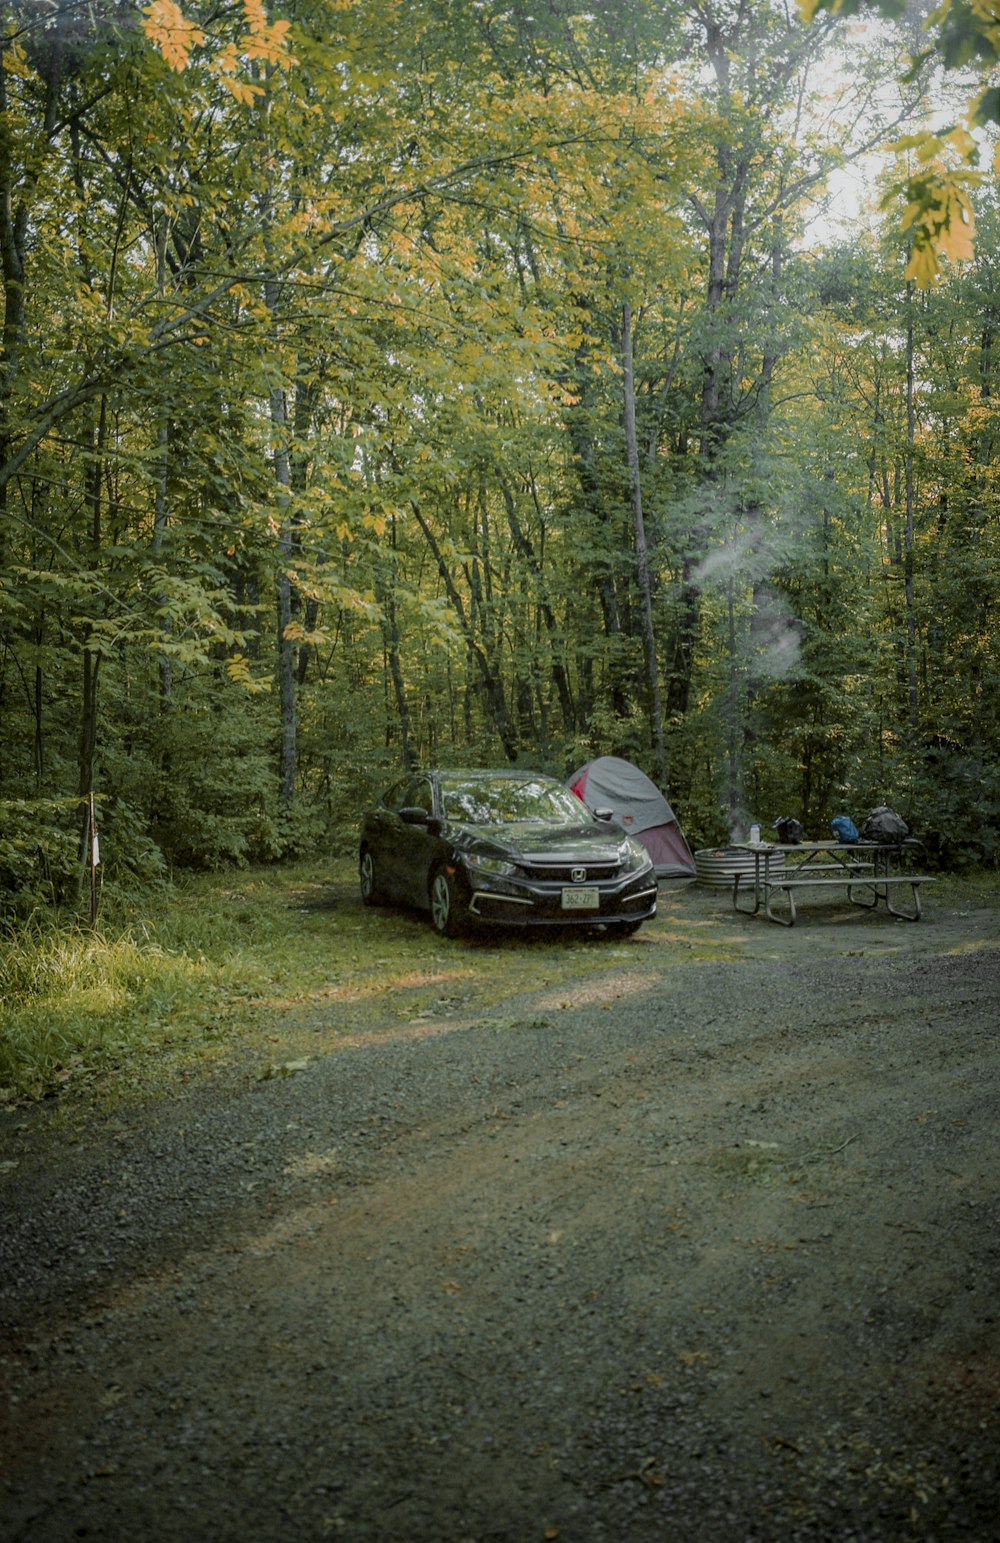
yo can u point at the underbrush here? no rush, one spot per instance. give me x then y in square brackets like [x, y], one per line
[125, 1001]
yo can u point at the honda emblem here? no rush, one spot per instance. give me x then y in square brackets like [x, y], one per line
[578, 875]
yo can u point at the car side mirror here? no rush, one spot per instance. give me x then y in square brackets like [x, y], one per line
[604, 814]
[414, 816]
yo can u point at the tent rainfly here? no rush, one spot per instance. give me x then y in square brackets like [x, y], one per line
[639, 808]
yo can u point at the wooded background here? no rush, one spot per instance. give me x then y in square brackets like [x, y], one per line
[477, 382]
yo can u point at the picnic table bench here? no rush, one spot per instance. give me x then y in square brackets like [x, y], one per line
[865, 868]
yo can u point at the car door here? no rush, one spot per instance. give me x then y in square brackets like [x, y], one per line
[418, 846]
[386, 836]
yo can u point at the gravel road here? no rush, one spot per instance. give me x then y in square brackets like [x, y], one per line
[700, 1249]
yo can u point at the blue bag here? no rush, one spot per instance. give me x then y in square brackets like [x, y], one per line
[844, 828]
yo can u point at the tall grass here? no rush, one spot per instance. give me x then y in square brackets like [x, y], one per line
[112, 1003]
[75, 1001]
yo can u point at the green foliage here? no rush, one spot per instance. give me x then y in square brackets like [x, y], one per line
[131, 862]
[39, 853]
[312, 448]
[951, 798]
[301, 831]
[214, 803]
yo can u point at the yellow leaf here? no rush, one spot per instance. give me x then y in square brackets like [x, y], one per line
[923, 267]
[243, 91]
[908, 142]
[962, 141]
[238, 668]
[169, 30]
[955, 240]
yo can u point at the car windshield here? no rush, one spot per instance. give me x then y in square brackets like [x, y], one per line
[509, 800]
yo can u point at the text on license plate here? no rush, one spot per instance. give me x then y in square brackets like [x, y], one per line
[582, 899]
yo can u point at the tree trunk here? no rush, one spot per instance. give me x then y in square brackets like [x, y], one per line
[305, 407]
[528, 555]
[286, 646]
[491, 680]
[162, 470]
[641, 547]
[91, 656]
[908, 529]
[159, 528]
[87, 751]
[386, 581]
[594, 505]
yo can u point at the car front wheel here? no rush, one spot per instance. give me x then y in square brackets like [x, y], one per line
[371, 890]
[444, 904]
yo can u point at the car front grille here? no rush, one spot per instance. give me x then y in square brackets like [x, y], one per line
[562, 873]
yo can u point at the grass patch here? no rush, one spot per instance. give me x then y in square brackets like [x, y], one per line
[268, 968]
[79, 1003]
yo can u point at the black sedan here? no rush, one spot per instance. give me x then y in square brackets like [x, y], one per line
[508, 847]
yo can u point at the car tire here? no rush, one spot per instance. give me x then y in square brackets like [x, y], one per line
[444, 903]
[371, 889]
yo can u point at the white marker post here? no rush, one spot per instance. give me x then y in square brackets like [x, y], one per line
[95, 858]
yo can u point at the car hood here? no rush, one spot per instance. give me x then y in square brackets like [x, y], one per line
[558, 842]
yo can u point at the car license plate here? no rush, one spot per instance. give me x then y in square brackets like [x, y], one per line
[580, 899]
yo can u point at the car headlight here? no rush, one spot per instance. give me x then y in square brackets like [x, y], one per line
[634, 857]
[497, 867]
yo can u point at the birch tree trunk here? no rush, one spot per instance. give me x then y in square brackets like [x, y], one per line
[908, 529]
[641, 547]
[286, 650]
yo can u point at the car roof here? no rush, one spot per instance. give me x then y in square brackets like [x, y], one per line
[516, 773]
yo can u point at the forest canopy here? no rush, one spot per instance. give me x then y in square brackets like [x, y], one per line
[387, 382]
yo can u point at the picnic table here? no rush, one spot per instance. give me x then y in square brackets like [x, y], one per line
[869, 870]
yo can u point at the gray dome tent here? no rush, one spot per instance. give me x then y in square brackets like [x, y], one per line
[638, 807]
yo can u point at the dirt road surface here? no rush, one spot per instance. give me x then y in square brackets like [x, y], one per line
[700, 1247]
